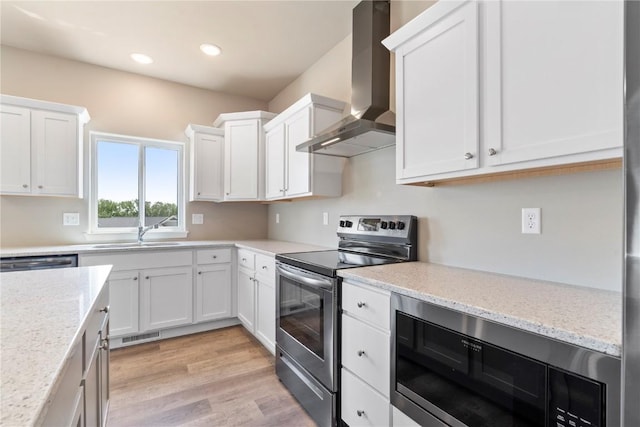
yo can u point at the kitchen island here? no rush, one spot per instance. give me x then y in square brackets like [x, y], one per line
[44, 315]
[586, 317]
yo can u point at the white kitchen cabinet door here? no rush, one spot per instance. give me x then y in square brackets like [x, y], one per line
[123, 304]
[266, 314]
[242, 160]
[213, 292]
[246, 299]
[55, 153]
[298, 177]
[207, 167]
[275, 163]
[554, 78]
[437, 92]
[166, 296]
[15, 150]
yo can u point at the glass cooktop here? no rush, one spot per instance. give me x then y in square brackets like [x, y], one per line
[328, 262]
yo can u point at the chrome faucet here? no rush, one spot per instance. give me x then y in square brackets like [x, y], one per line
[142, 230]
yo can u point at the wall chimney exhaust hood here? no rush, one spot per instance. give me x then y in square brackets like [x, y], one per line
[371, 125]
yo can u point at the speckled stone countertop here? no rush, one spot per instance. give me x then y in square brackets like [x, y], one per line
[42, 315]
[585, 317]
[267, 247]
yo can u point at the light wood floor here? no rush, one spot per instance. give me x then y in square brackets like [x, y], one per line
[218, 378]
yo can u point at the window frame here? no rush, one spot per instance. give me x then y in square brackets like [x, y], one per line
[141, 143]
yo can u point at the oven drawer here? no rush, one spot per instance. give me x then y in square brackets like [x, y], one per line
[366, 353]
[368, 304]
[213, 256]
[362, 405]
[246, 259]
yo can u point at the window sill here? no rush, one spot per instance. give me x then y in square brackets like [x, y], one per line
[118, 236]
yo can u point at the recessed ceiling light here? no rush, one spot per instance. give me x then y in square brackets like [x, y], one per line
[141, 58]
[210, 49]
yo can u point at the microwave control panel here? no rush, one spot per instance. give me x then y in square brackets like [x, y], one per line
[575, 401]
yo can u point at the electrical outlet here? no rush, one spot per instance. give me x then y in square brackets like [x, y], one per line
[277, 218]
[325, 218]
[71, 218]
[197, 219]
[531, 220]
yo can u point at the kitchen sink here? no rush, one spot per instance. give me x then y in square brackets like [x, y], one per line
[134, 245]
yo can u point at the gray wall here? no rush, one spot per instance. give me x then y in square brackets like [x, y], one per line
[477, 226]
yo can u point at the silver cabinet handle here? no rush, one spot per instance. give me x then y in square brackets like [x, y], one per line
[40, 186]
[104, 309]
[146, 277]
[25, 186]
[360, 413]
[105, 344]
[361, 304]
[468, 156]
[492, 152]
[199, 272]
[361, 353]
[264, 267]
[135, 278]
[244, 259]
[215, 256]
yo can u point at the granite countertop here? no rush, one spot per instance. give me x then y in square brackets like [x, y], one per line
[42, 315]
[267, 247]
[585, 317]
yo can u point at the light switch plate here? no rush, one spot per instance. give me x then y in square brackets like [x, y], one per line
[197, 219]
[71, 218]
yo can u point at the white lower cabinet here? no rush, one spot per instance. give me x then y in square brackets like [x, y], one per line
[246, 299]
[166, 297]
[257, 296]
[154, 291]
[124, 290]
[366, 349]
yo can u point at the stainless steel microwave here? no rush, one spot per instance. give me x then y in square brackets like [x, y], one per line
[452, 369]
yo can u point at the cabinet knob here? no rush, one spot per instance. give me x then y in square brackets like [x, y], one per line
[40, 186]
[199, 272]
[361, 353]
[492, 152]
[146, 277]
[361, 304]
[215, 256]
[244, 259]
[227, 194]
[264, 267]
[105, 344]
[104, 309]
[468, 156]
[199, 193]
[135, 278]
[25, 186]
[360, 413]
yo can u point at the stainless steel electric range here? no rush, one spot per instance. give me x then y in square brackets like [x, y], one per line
[308, 304]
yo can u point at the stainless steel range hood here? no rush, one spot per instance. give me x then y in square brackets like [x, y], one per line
[371, 125]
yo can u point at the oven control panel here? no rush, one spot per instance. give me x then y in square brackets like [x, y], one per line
[377, 225]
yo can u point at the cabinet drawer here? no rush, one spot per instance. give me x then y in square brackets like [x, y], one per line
[368, 304]
[246, 259]
[96, 320]
[266, 268]
[361, 405]
[366, 353]
[213, 256]
[126, 260]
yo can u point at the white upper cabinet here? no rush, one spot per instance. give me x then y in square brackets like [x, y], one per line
[500, 86]
[291, 174]
[207, 163]
[41, 147]
[244, 154]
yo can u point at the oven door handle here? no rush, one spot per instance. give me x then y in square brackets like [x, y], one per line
[326, 284]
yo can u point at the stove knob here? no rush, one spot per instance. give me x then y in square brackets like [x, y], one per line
[348, 224]
[341, 223]
[400, 225]
[392, 225]
[383, 225]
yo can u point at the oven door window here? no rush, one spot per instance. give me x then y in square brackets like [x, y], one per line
[302, 314]
[475, 383]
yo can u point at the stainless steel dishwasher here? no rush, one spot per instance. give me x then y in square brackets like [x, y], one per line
[23, 263]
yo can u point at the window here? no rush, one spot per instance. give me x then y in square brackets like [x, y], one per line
[136, 181]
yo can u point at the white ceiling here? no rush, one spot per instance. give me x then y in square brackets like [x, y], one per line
[266, 44]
